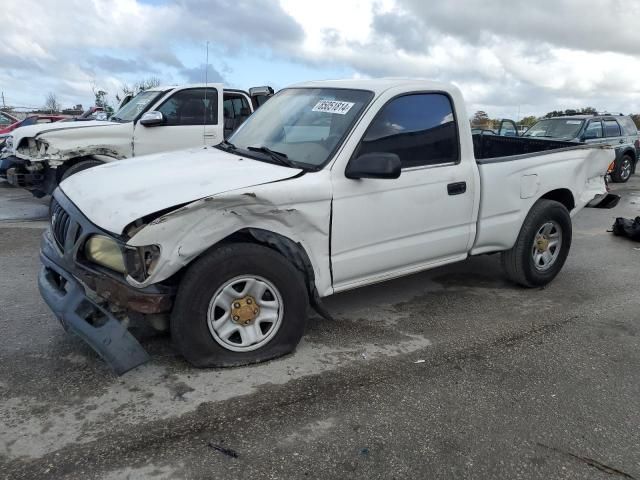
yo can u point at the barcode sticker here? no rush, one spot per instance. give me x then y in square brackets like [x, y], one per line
[332, 106]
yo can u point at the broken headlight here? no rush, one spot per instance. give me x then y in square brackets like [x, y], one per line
[106, 252]
[140, 261]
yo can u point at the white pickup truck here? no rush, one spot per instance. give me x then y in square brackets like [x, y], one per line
[329, 186]
[160, 119]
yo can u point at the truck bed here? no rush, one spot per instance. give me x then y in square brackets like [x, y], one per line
[493, 146]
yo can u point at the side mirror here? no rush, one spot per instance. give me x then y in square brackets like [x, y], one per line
[101, 116]
[374, 165]
[589, 136]
[152, 119]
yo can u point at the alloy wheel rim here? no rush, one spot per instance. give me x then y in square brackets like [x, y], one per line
[546, 247]
[625, 171]
[245, 313]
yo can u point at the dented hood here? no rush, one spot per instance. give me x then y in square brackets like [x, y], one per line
[118, 193]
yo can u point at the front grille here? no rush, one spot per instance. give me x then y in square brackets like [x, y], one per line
[60, 223]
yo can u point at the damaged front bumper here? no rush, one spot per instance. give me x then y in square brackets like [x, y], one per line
[83, 298]
[20, 173]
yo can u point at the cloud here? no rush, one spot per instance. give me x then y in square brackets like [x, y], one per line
[118, 41]
[505, 56]
[112, 64]
[197, 75]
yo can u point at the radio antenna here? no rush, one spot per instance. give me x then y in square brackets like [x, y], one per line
[206, 81]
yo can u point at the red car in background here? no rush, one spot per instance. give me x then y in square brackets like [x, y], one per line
[32, 120]
[7, 119]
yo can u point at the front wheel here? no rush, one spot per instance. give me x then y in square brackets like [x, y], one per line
[542, 245]
[622, 169]
[239, 304]
[79, 167]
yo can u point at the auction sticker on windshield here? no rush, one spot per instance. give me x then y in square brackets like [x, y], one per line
[333, 106]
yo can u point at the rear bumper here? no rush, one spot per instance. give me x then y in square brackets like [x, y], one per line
[606, 200]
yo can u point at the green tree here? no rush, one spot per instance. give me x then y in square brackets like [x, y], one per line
[528, 121]
[480, 119]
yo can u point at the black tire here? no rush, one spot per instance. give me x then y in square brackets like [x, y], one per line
[189, 325]
[622, 169]
[519, 263]
[80, 166]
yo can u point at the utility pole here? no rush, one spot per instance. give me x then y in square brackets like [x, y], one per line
[3, 104]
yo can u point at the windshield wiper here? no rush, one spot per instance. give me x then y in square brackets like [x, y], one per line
[225, 145]
[278, 157]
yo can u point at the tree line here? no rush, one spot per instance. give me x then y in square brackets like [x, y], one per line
[102, 98]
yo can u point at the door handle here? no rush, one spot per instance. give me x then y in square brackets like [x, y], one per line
[457, 188]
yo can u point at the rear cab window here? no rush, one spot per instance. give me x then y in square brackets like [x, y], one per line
[419, 128]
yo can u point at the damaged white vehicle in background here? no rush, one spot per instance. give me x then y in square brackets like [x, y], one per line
[328, 187]
[160, 119]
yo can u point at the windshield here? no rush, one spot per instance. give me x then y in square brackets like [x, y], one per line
[556, 128]
[135, 106]
[304, 124]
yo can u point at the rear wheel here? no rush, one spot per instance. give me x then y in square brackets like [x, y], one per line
[80, 166]
[239, 304]
[622, 170]
[542, 245]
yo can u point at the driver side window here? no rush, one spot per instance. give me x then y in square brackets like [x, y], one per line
[191, 107]
[419, 128]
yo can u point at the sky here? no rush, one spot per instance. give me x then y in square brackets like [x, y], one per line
[509, 58]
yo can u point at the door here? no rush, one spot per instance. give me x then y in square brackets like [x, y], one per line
[192, 118]
[593, 133]
[613, 134]
[237, 109]
[386, 227]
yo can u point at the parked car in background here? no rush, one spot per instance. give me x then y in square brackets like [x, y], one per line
[616, 130]
[328, 187]
[32, 120]
[7, 119]
[507, 128]
[159, 119]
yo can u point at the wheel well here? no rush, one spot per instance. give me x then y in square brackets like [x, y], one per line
[71, 162]
[562, 195]
[292, 251]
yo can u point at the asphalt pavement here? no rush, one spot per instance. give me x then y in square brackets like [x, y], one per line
[451, 373]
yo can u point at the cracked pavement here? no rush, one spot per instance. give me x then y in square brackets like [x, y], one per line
[514, 383]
